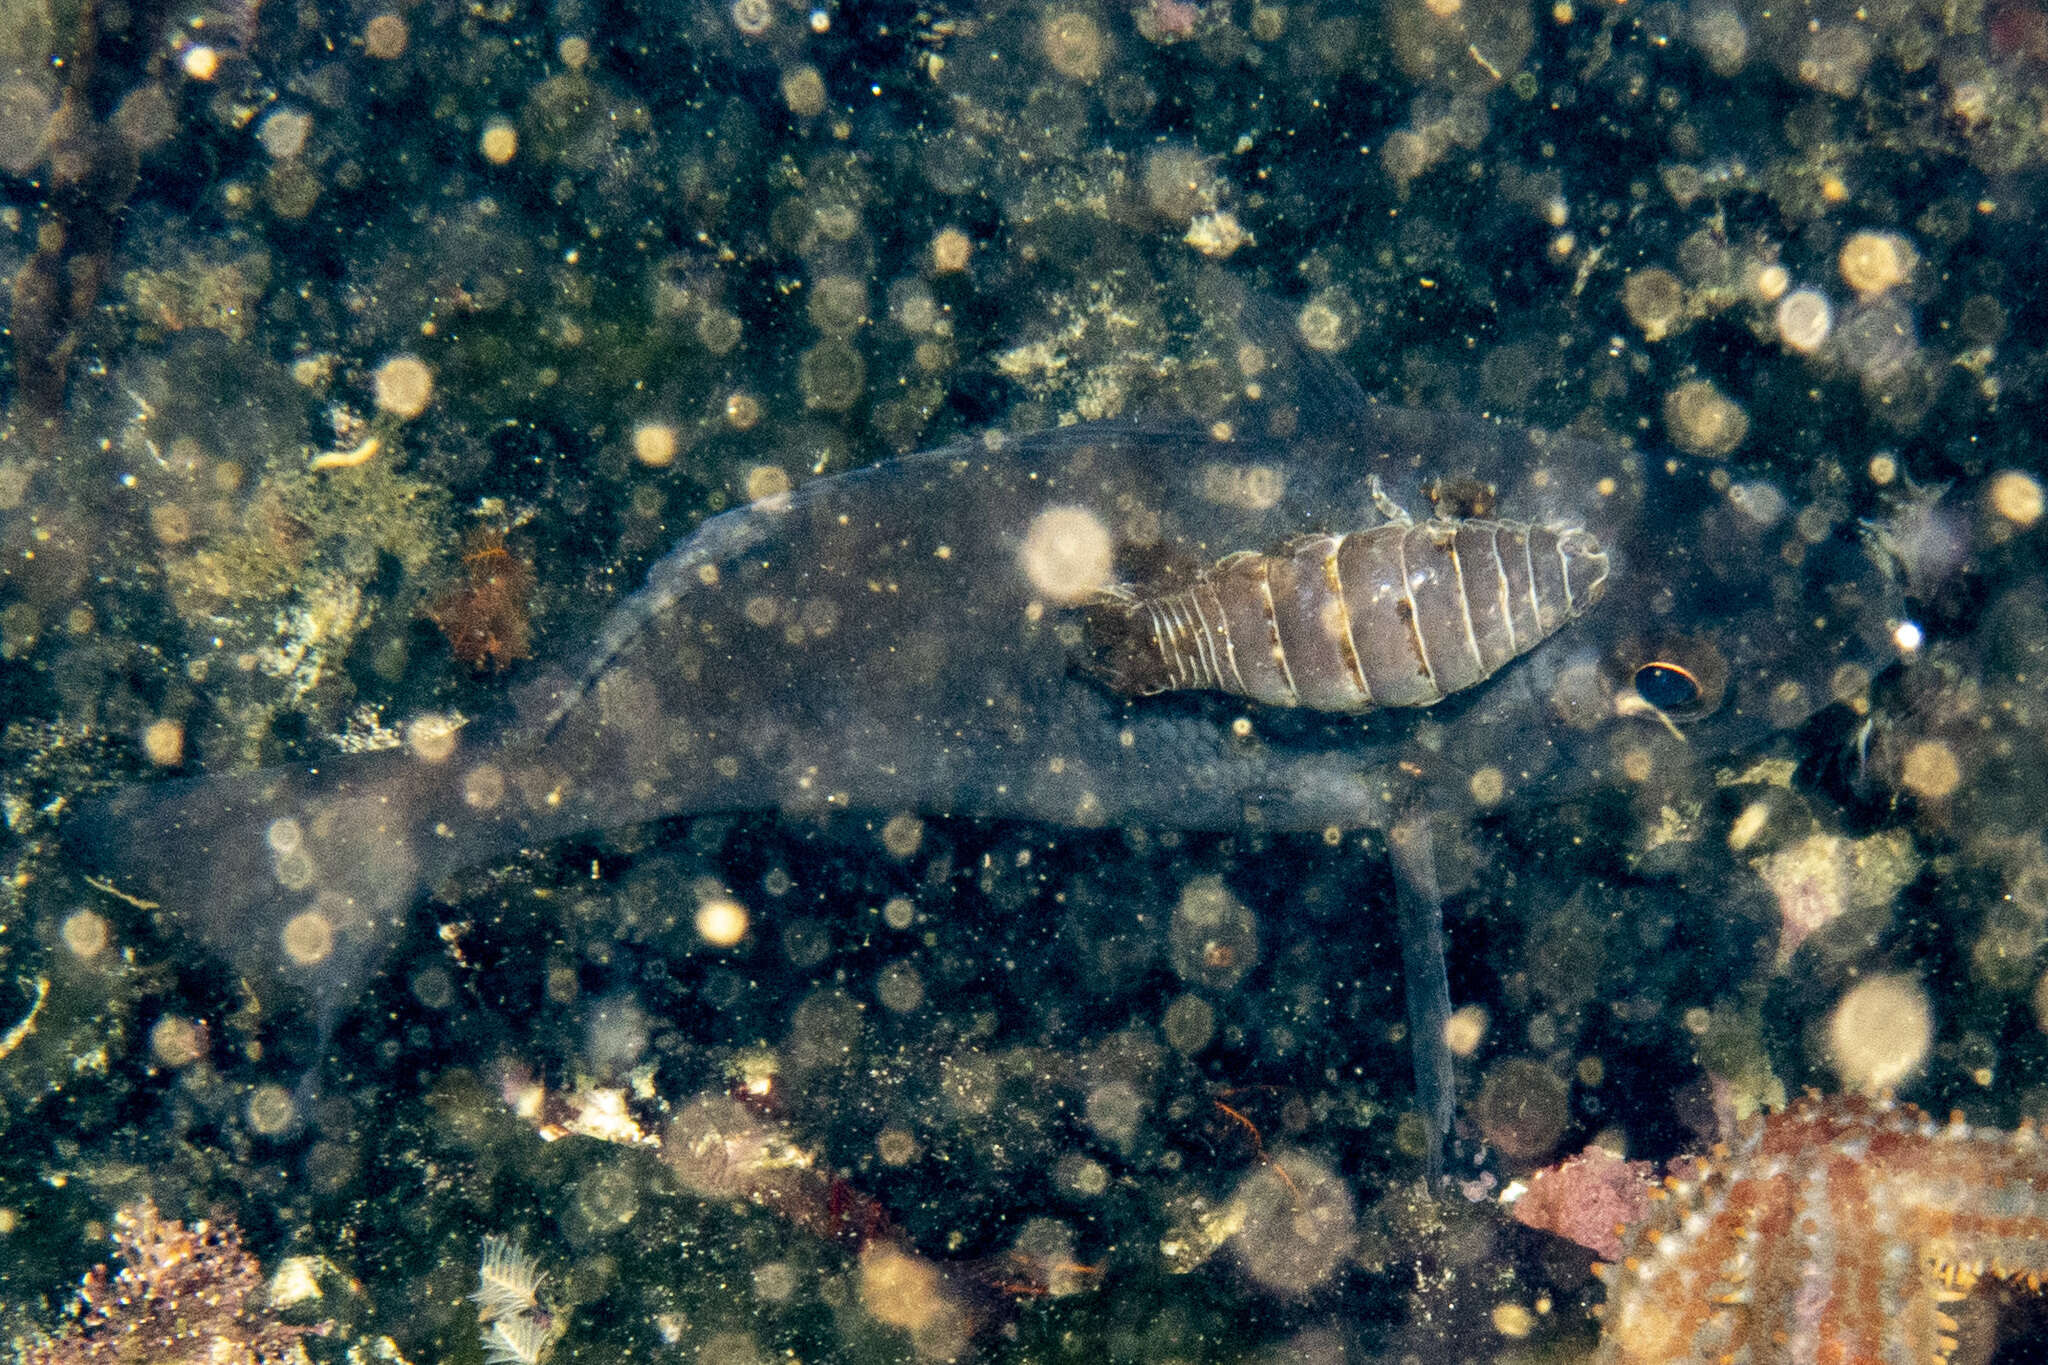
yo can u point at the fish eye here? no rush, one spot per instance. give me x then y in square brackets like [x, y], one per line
[1683, 677]
[1667, 686]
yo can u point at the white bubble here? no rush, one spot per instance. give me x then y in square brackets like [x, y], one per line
[1804, 319]
[1880, 1033]
[1067, 554]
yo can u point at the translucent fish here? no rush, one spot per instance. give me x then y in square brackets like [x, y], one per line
[911, 636]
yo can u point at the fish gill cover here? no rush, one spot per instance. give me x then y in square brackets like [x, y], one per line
[359, 352]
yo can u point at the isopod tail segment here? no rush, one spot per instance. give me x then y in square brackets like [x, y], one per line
[1122, 652]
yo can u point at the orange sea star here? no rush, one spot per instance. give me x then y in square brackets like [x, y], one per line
[1837, 1231]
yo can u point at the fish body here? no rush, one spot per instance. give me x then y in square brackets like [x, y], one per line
[913, 635]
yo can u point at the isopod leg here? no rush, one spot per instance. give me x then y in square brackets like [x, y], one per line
[1425, 977]
[1383, 502]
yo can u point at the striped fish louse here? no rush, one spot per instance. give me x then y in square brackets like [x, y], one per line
[1401, 614]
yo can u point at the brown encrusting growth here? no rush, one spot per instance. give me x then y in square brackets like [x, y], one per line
[184, 1296]
[486, 616]
[1593, 1199]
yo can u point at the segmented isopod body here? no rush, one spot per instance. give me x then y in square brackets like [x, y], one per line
[1398, 615]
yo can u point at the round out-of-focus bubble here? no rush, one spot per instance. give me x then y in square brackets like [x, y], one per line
[2017, 497]
[308, 938]
[86, 933]
[1523, 1108]
[1074, 44]
[825, 1030]
[721, 921]
[1655, 301]
[832, 375]
[272, 1110]
[1804, 319]
[1931, 770]
[1872, 262]
[1722, 38]
[1115, 1110]
[1701, 420]
[656, 444]
[386, 37]
[25, 106]
[404, 385]
[1836, 59]
[1879, 1033]
[284, 133]
[1213, 937]
[176, 1041]
[1328, 322]
[1067, 554]
[1297, 1227]
[904, 1290]
[499, 142]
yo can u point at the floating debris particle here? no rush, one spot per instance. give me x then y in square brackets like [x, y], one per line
[1822, 877]
[360, 454]
[1216, 234]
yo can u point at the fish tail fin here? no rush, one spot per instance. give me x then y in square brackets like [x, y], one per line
[297, 873]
